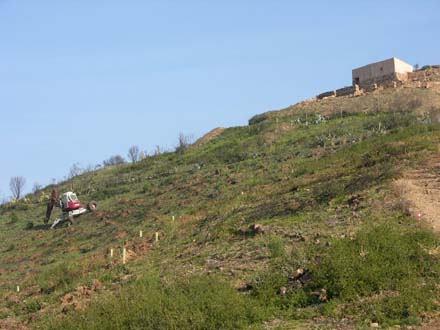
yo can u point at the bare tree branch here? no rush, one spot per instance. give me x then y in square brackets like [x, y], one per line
[184, 142]
[16, 185]
[133, 154]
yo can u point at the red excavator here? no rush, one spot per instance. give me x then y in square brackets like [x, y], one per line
[70, 206]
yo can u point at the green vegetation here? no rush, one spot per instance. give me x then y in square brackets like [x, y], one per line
[316, 176]
[191, 303]
[427, 67]
[383, 274]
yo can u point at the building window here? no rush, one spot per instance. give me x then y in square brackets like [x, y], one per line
[381, 69]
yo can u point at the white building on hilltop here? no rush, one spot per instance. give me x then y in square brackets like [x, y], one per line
[392, 68]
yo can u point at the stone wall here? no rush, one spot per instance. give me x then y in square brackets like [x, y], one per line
[428, 75]
[345, 91]
[326, 94]
[429, 78]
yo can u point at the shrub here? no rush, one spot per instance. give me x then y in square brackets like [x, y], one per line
[276, 247]
[384, 274]
[14, 219]
[428, 67]
[113, 160]
[230, 153]
[258, 119]
[194, 303]
[405, 103]
[33, 306]
[434, 114]
[146, 188]
[387, 262]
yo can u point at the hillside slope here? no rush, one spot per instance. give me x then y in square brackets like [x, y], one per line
[317, 177]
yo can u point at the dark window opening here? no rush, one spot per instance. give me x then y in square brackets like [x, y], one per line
[356, 80]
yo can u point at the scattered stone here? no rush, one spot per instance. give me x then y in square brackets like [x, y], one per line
[47, 290]
[282, 291]
[354, 201]
[297, 274]
[245, 288]
[296, 236]
[374, 325]
[299, 278]
[322, 295]
[257, 229]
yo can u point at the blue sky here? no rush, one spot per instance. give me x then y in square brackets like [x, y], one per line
[82, 80]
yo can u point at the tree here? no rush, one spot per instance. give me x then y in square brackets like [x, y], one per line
[133, 154]
[36, 187]
[74, 171]
[184, 142]
[89, 168]
[114, 160]
[16, 185]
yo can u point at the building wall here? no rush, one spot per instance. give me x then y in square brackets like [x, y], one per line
[374, 72]
[402, 67]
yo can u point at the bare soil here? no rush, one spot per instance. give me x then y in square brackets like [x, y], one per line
[209, 136]
[420, 191]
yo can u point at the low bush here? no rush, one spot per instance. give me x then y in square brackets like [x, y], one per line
[405, 102]
[13, 219]
[384, 274]
[377, 259]
[151, 303]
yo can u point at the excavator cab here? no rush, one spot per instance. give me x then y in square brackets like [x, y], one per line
[69, 201]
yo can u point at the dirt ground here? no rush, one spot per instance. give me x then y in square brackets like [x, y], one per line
[420, 190]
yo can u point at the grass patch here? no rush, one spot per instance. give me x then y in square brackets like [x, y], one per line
[383, 274]
[151, 303]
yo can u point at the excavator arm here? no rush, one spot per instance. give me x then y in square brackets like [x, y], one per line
[52, 202]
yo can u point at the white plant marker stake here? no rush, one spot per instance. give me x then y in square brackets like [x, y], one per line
[124, 255]
[18, 288]
[140, 233]
[172, 218]
[111, 253]
[157, 236]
